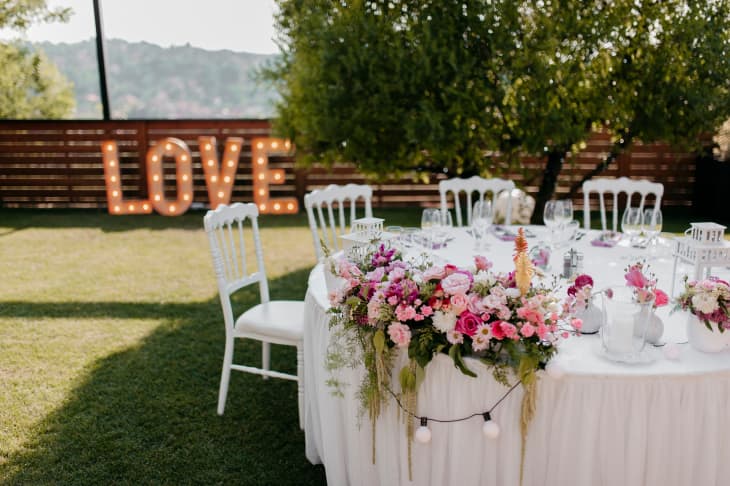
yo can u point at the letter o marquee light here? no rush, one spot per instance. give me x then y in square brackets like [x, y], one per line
[170, 147]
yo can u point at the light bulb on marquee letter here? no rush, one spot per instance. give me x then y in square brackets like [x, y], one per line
[170, 147]
[261, 148]
[115, 202]
[219, 181]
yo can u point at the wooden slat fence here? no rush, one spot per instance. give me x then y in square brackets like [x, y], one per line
[58, 164]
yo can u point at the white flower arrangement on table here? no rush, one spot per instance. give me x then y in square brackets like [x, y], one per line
[708, 300]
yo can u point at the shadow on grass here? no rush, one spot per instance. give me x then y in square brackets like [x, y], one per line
[147, 415]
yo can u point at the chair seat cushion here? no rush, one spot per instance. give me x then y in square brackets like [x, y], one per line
[279, 318]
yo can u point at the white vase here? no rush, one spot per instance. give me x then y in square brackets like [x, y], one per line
[591, 317]
[654, 329]
[702, 339]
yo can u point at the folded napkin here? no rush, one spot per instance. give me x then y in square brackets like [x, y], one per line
[503, 233]
[607, 239]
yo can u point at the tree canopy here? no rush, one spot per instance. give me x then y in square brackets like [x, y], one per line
[30, 85]
[411, 85]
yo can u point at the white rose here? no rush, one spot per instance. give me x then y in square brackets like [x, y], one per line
[512, 292]
[705, 303]
[483, 277]
[444, 321]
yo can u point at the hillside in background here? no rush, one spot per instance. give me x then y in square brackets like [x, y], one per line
[149, 81]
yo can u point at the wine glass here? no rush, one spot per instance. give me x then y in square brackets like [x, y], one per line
[549, 218]
[652, 226]
[446, 224]
[563, 211]
[430, 219]
[482, 215]
[631, 222]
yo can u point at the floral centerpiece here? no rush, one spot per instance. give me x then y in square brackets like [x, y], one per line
[504, 320]
[708, 301]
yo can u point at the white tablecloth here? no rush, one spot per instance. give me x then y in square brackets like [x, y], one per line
[603, 423]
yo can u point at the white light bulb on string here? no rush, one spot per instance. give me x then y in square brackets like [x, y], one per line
[490, 429]
[423, 433]
[555, 370]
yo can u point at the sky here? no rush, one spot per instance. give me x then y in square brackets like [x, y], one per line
[238, 25]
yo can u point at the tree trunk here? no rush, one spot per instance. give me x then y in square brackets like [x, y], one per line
[555, 160]
[617, 149]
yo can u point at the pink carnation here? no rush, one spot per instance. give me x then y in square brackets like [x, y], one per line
[400, 334]
[509, 330]
[527, 330]
[660, 298]
[583, 280]
[634, 278]
[576, 323]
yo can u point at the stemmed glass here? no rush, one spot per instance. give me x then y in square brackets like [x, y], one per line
[652, 226]
[482, 215]
[563, 216]
[631, 223]
[430, 221]
[446, 224]
[550, 219]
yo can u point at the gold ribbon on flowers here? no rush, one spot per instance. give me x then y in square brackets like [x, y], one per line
[523, 265]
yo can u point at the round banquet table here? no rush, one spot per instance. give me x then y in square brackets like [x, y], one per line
[663, 422]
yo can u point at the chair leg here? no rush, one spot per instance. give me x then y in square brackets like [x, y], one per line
[300, 384]
[225, 375]
[265, 357]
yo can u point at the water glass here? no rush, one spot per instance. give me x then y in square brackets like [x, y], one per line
[563, 211]
[550, 219]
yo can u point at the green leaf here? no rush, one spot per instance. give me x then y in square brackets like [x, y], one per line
[379, 341]
[455, 355]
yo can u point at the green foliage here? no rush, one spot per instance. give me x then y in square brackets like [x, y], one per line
[30, 85]
[409, 85]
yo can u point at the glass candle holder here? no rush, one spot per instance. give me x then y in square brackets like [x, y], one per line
[624, 323]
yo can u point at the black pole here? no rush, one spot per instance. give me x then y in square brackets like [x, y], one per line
[100, 60]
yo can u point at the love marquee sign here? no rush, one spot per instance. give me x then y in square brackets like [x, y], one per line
[219, 176]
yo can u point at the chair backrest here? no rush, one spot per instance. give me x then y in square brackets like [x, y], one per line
[227, 234]
[469, 186]
[614, 186]
[325, 223]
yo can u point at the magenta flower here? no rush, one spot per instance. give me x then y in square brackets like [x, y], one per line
[583, 280]
[468, 323]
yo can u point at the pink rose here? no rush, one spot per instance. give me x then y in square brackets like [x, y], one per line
[660, 298]
[400, 334]
[476, 304]
[468, 323]
[576, 323]
[456, 283]
[459, 303]
[482, 263]
[634, 278]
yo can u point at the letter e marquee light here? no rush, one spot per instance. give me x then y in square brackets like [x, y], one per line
[261, 148]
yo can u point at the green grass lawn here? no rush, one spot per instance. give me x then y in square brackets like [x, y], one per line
[111, 341]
